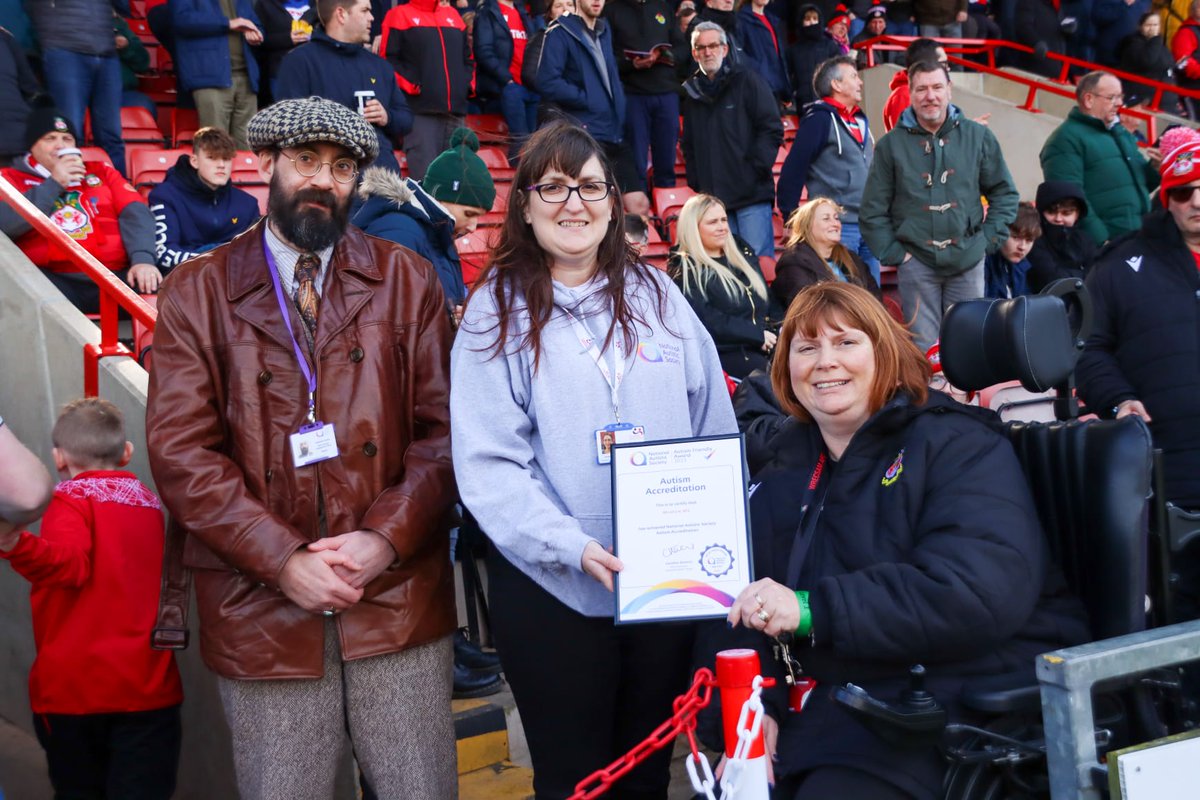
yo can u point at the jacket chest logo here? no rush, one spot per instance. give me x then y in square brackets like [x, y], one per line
[893, 472]
[1134, 263]
[660, 19]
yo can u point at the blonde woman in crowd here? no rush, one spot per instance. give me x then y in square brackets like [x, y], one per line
[815, 253]
[721, 279]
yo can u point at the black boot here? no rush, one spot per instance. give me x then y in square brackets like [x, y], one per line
[469, 655]
[469, 683]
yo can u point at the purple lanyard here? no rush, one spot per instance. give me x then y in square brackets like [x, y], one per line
[309, 374]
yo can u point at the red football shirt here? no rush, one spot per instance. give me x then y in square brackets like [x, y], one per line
[516, 29]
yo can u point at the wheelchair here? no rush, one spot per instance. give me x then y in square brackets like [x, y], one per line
[1091, 481]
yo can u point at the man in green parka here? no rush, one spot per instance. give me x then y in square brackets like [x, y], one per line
[922, 207]
[1094, 150]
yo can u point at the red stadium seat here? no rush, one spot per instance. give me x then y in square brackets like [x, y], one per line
[245, 169]
[258, 192]
[497, 163]
[96, 154]
[668, 201]
[402, 160]
[147, 168]
[656, 250]
[490, 128]
[474, 252]
[790, 126]
[139, 125]
[141, 29]
[767, 265]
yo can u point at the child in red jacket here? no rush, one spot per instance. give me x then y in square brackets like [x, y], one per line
[105, 705]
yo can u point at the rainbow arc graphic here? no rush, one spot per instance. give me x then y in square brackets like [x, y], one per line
[679, 586]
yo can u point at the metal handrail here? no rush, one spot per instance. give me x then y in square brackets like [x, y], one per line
[114, 294]
[965, 47]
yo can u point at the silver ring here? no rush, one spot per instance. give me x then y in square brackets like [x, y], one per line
[763, 615]
[329, 612]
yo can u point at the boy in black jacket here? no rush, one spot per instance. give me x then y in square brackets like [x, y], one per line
[1065, 249]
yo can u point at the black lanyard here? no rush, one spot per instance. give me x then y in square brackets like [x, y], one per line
[811, 505]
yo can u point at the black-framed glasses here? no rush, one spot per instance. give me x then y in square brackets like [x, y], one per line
[308, 164]
[1182, 194]
[589, 191]
[701, 48]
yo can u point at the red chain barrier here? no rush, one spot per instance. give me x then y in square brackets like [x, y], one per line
[687, 706]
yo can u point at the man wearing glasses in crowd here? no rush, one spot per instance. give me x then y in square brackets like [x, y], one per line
[1092, 149]
[298, 430]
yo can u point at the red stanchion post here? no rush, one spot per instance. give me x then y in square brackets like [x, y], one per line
[736, 671]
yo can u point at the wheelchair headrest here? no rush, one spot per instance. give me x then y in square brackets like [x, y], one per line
[1028, 338]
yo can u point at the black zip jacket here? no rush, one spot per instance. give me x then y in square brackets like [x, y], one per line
[731, 135]
[1145, 344]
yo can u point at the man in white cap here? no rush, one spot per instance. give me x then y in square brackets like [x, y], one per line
[298, 432]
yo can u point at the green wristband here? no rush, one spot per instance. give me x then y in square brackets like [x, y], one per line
[805, 626]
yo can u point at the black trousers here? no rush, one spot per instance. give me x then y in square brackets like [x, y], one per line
[842, 783]
[125, 756]
[587, 690]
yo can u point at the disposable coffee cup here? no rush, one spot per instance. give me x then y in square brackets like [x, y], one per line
[66, 152]
[363, 98]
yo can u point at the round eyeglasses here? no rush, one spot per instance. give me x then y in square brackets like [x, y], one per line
[589, 192]
[308, 164]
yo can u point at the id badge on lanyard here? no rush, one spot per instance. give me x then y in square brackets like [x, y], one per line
[314, 441]
[616, 432]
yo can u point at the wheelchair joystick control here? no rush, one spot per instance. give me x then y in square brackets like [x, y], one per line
[915, 698]
[917, 718]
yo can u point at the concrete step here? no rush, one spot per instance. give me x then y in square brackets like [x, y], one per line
[500, 781]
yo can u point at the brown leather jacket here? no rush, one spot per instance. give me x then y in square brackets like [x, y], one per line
[226, 392]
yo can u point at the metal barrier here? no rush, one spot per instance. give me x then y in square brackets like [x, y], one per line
[1067, 677]
[114, 294]
[957, 48]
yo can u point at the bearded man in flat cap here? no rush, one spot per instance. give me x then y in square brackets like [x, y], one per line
[299, 435]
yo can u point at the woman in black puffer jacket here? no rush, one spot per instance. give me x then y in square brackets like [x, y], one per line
[723, 283]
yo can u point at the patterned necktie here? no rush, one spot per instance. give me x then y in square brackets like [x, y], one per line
[306, 290]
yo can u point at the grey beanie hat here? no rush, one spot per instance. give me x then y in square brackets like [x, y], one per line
[289, 123]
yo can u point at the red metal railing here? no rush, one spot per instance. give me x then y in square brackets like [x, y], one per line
[114, 294]
[1060, 86]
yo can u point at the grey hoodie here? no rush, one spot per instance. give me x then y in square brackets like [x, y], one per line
[524, 443]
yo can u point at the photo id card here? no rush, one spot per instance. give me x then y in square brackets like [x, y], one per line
[617, 433]
[313, 443]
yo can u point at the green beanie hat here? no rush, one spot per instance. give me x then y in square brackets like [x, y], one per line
[460, 176]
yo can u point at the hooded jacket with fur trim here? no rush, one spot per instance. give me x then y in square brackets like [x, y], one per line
[399, 210]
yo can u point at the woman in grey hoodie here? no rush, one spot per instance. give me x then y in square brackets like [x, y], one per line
[565, 338]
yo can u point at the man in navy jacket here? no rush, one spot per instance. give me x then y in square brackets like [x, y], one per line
[214, 60]
[195, 208]
[336, 66]
[578, 73]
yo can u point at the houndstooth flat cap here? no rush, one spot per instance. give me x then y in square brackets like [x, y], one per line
[294, 122]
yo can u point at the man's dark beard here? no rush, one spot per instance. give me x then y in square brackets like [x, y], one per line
[308, 228]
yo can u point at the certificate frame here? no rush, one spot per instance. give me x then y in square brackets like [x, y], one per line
[703, 555]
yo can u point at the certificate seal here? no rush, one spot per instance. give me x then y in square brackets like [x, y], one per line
[716, 560]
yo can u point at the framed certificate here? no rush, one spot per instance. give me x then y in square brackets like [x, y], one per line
[681, 527]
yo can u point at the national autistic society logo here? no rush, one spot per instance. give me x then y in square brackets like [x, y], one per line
[649, 352]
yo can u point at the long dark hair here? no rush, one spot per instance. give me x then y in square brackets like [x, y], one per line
[520, 268]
